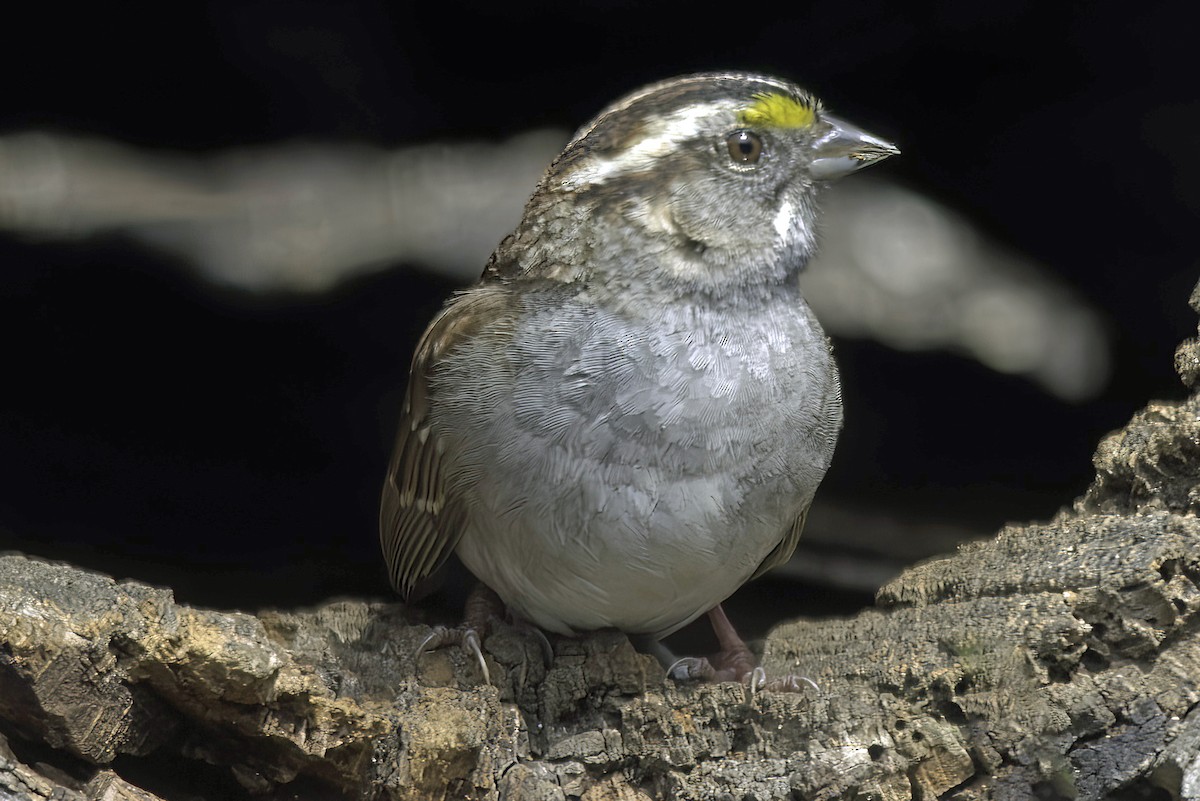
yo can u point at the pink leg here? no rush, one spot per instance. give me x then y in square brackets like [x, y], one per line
[734, 662]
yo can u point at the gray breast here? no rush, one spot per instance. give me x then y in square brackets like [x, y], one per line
[687, 391]
[629, 450]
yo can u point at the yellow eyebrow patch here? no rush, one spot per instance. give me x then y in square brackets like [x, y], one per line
[772, 109]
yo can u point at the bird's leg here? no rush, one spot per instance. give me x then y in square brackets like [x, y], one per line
[734, 662]
[481, 608]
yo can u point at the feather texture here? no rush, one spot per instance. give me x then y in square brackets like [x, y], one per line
[420, 516]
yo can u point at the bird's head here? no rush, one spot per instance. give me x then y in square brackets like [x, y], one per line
[704, 182]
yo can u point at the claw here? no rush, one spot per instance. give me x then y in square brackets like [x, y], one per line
[466, 637]
[789, 684]
[544, 644]
[471, 643]
[756, 680]
[734, 662]
[437, 638]
[691, 668]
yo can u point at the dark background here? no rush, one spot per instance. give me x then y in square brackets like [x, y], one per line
[232, 446]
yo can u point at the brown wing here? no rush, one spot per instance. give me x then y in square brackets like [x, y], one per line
[786, 547]
[419, 522]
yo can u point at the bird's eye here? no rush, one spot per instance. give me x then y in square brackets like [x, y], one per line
[745, 147]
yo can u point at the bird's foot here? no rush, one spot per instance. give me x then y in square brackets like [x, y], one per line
[734, 662]
[544, 646]
[481, 611]
[465, 636]
[700, 669]
[481, 608]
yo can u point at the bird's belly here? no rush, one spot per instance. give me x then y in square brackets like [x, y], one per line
[642, 556]
[638, 485]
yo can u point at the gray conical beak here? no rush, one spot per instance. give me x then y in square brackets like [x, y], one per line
[845, 148]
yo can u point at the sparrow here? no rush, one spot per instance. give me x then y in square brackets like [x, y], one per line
[627, 417]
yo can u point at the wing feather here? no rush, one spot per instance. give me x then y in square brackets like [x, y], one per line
[420, 518]
[786, 547]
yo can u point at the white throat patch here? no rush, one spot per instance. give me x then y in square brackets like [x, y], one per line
[783, 218]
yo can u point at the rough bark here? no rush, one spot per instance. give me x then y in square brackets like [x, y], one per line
[1058, 660]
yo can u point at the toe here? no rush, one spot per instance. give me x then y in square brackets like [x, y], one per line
[471, 645]
[787, 684]
[692, 668]
[466, 637]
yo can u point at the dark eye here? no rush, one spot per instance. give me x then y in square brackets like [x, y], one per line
[745, 147]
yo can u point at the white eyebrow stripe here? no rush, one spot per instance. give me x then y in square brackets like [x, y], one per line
[659, 140]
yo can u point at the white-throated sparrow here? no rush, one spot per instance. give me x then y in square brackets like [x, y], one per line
[627, 417]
